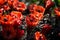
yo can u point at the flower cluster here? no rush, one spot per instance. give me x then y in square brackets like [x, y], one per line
[12, 13]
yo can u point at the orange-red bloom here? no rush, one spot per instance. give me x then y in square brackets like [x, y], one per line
[40, 9]
[33, 7]
[48, 3]
[16, 14]
[57, 11]
[33, 18]
[19, 6]
[7, 25]
[39, 36]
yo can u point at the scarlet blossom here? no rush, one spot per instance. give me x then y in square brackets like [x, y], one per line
[8, 31]
[32, 20]
[57, 11]
[40, 9]
[6, 19]
[16, 14]
[19, 6]
[38, 15]
[48, 3]
[10, 24]
[33, 7]
[39, 36]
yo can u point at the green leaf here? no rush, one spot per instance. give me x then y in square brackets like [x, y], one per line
[57, 2]
[33, 1]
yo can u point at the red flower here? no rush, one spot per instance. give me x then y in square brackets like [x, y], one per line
[7, 24]
[6, 19]
[40, 9]
[33, 19]
[48, 4]
[39, 36]
[34, 7]
[57, 11]
[38, 15]
[17, 16]
[10, 25]
[20, 6]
